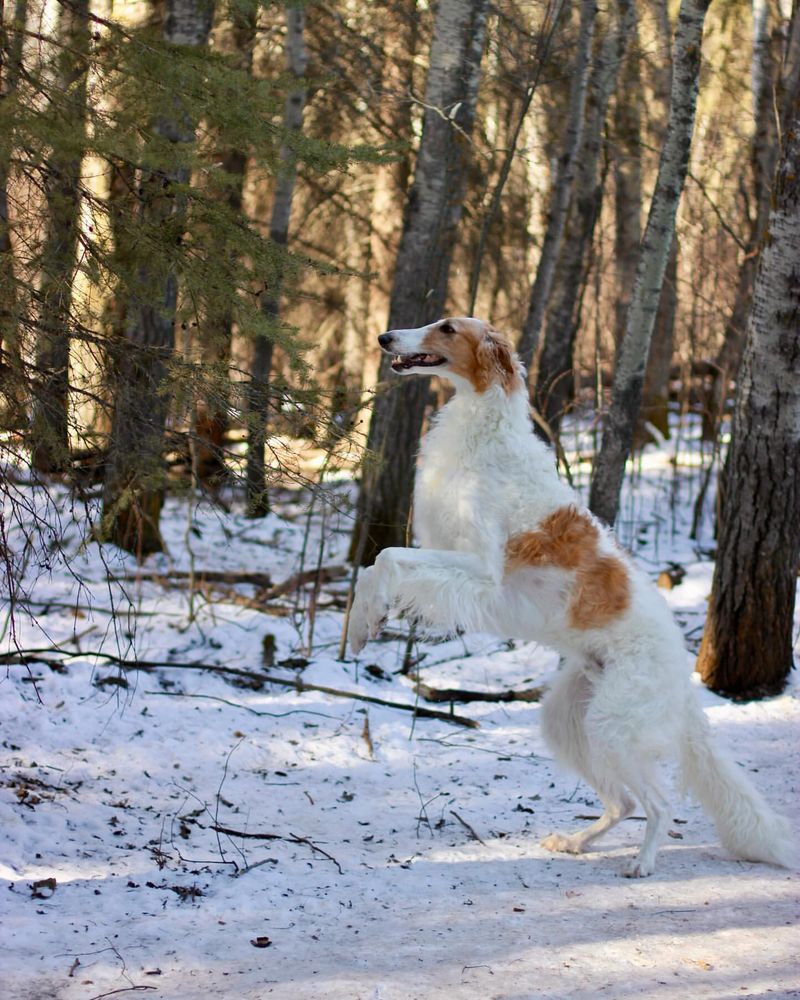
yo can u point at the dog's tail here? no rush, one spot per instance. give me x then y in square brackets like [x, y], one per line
[746, 824]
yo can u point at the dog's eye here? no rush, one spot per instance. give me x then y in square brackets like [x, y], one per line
[447, 328]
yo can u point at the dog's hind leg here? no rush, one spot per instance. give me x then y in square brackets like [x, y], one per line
[647, 788]
[564, 727]
[618, 806]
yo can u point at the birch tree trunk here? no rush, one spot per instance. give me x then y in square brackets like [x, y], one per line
[632, 354]
[134, 483]
[562, 190]
[258, 388]
[554, 377]
[655, 392]
[747, 644]
[423, 264]
[627, 166]
[12, 376]
[62, 181]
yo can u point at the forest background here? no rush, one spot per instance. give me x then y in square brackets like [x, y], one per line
[209, 211]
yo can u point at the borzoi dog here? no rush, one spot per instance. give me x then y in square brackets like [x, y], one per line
[507, 548]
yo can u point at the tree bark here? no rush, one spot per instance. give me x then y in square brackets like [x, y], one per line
[656, 243]
[747, 644]
[134, 484]
[420, 284]
[62, 183]
[234, 37]
[258, 388]
[12, 375]
[627, 149]
[562, 190]
[655, 393]
[551, 22]
[554, 379]
[763, 153]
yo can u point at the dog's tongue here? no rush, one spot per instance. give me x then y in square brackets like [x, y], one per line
[410, 360]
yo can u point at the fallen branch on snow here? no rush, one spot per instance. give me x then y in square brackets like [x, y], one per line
[462, 694]
[28, 656]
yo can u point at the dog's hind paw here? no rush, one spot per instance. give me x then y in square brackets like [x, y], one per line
[638, 869]
[563, 843]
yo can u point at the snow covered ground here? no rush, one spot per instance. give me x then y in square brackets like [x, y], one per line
[370, 854]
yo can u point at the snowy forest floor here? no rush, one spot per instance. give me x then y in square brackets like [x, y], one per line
[370, 855]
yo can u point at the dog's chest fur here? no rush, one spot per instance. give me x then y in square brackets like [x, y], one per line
[476, 478]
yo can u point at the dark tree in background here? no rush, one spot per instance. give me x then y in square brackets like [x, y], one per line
[258, 389]
[134, 482]
[62, 185]
[748, 639]
[423, 265]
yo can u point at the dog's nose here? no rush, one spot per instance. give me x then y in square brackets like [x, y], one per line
[385, 340]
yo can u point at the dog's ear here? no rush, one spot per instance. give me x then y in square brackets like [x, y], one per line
[495, 362]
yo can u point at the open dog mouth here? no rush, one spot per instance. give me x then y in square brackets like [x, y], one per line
[403, 361]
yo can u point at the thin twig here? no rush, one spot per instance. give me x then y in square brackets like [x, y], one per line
[467, 827]
[293, 838]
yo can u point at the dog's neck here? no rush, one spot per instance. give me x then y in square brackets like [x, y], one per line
[493, 407]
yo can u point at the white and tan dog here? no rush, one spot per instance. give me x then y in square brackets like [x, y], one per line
[507, 548]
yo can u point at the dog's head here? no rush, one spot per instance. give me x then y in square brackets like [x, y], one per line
[461, 348]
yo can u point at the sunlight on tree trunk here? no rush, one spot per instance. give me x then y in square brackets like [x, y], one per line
[632, 354]
[423, 266]
[134, 483]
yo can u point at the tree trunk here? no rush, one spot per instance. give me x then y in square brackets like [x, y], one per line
[627, 153]
[562, 190]
[12, 375]
[258, 388]
[656, 243]
[763, 151]
[552, 20]
[134, 484]
[554, 379]
[234, 37]
[655, 393]
[62, 182]
[747, 643]
[423, 264]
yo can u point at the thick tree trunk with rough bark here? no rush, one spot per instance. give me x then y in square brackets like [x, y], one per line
[62, 181]
[562, 190]
[134, 484]
[747, 643]
[632, 354]
[554, 378]
[423, 264]
[258, 388]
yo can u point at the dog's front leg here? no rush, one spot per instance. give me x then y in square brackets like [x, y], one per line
[444, 589]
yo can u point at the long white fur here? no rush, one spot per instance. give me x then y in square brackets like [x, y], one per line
[622, 701]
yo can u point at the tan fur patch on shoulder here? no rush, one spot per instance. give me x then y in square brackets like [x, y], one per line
[563, 540]
[568, 539]
[602, 592]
